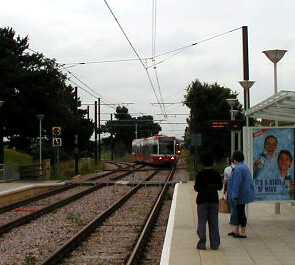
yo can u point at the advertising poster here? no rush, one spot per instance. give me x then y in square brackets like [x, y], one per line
[273, 163]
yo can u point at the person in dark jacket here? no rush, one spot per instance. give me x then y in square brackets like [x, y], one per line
[207, 183]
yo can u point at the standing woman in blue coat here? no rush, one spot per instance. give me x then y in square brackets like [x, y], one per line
[240, 192]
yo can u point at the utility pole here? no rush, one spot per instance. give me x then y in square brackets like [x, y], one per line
[245, 65]
[1, 139]
[99, 132]
[112, 140]
[88, 112]
[95, 132]
[40, 117]
[76, 138]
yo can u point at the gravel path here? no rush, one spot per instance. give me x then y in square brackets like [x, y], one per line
[37, 205]
[112, 242]
[153, 249]
[38, 239]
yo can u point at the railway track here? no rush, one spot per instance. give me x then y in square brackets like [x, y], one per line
[123, 225]
[21, 213]
[42, 236]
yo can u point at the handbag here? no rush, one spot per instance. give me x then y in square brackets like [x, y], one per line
[224, 206]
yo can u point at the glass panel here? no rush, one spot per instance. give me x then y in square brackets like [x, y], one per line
[155, 149]
[166, 148]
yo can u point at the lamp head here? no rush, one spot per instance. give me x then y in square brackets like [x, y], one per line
[246, 84]
[40, 116]
[231, 101]
[275, 55]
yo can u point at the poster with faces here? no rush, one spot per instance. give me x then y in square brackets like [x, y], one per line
[273, 163]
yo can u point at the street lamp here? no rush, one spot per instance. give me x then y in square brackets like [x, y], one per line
[246, 84]
[275, 56]
[40, 117]
[1, 140]
[231, 102]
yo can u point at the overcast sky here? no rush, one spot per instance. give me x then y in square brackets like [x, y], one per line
[83, 31]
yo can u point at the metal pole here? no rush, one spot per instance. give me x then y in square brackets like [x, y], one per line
[277, 204]
[76, 141]
[276, 87]
[40, 147]
[57, 161]
[99, 133]
[275, 78]
[1, 145]
[247, 105]
[245, 61]
[232, 136]
[239, 141]
[112, 140]
[1, 139]
[136, 130]
[95, 132]
[88, 112]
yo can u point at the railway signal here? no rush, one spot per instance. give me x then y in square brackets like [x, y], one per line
[56, 142]
[56, 131]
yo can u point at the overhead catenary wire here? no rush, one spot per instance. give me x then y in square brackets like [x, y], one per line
[154, 34]
[174, 52]
[135, 51]
[88, 89]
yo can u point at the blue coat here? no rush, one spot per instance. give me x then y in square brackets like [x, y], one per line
[240, 184]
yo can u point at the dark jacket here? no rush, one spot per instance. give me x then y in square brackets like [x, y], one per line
[208, 182]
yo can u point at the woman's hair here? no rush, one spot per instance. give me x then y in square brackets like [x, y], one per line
[285, 152]
[206, 159]
[269, 137]
[238, 156]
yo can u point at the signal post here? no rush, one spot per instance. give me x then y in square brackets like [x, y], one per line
[56, 143]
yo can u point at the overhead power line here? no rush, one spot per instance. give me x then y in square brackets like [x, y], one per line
[134, 50]
[173, 52]
[167, 103]
[88, 89]
[154, 34]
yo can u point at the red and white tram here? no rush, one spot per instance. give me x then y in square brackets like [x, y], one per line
[156, 150]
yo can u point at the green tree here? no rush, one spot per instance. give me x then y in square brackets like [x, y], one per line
[31, 84]
[207, 102]
[125, 127]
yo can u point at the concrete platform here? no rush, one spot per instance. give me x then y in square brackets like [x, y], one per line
[7, 187]
[271, 237]
[16, 191]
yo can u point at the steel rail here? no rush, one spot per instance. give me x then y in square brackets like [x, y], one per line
[73, 243]
[47, 209]
[129, 171]
[67, 186]
[138, 248]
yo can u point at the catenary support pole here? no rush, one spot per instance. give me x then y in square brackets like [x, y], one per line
[99, 132]
[76, 137]
[95, 132]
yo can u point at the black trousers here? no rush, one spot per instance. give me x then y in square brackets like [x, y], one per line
[208, 213]
[242, 215]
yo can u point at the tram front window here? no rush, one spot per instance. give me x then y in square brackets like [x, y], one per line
[166, 148]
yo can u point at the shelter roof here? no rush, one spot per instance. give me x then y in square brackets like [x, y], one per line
[280, 107]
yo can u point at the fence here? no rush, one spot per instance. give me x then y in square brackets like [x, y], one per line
[8, 172]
